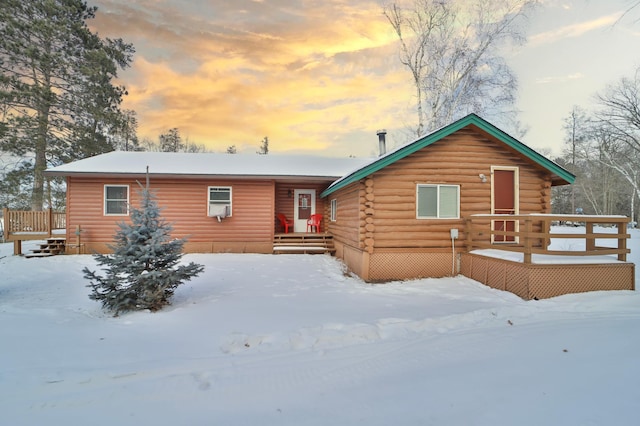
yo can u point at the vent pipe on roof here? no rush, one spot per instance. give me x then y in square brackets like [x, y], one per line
[382, 141]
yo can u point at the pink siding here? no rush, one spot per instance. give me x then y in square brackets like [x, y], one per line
[184, 204]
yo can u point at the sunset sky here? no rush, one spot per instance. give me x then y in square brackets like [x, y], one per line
[320, 77]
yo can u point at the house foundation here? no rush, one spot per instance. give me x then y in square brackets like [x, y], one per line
[397, 264]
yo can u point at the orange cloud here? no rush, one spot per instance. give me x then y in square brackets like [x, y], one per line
[324, 81]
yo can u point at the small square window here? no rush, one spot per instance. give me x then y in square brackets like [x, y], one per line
[116, 200]
[438, 201]
[219, 201]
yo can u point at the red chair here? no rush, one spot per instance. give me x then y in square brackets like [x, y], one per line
[314, 222]
[286, 223]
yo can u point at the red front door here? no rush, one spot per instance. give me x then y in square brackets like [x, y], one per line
[504, 202]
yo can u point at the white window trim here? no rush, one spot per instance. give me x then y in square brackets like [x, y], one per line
[334, 210]
[229, 204]
[438, 186]
[104, 200]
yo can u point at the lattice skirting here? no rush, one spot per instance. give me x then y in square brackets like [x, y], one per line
[409, 265]
[538, 281]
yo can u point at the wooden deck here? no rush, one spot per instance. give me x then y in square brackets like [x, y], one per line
[52, 247]
[525, 265]
[532, 234]
[303, 243]
[21, 226]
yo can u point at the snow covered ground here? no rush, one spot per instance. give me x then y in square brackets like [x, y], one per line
[293, 340]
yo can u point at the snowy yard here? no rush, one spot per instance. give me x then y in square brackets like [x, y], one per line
[292, 340]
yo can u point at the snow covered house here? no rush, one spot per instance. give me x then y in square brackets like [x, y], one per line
[416, 211]
[220, 202]
[404, 207]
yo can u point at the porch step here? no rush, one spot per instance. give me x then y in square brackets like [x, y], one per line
[52, 247]
[299, 243]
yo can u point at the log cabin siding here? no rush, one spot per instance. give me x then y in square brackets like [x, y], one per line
[378, 213]
[389, 242]
[346, 227]
[458, 159]
[184, 205]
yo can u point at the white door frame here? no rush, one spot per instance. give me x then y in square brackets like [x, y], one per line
[300, 224]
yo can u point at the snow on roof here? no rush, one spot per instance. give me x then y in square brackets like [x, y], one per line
[210, 164]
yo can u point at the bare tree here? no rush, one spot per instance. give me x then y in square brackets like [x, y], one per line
[632, 5]
[604, 151]
[148, 144]
[190, 146]
[619, 119]
[452, 48]
[599, 182]
[125, 135]
[171, 142]
[576, 127]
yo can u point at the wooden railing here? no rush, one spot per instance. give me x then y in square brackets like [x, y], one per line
[531, 234]
[28, 225]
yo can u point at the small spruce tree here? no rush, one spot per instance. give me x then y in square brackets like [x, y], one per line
[142, 272]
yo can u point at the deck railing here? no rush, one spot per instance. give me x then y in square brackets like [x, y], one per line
[26, 225]
[530, 234]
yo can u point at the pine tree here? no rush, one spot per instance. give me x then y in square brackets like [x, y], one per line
[171, 141]
[142, 272]
[264, 146]
[58, 96]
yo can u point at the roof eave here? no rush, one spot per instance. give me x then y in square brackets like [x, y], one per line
[190, 176]
[561, 174]
[471, 119]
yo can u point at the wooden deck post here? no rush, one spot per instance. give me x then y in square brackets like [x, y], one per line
[622, 241]
[79, 238]
[17, 247]
[50, 222]
[527, 240]
[5, 227]
[590, 242]
[467, 231]
[546, 229]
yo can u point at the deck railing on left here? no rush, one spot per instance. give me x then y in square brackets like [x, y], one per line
[32, 225]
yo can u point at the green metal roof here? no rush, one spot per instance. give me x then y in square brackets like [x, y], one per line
[471, 119]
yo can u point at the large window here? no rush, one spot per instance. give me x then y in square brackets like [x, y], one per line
[438, 201]
[334, 210]
[219, 201]
[116, 200]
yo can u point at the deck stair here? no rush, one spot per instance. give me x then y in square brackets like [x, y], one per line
[52, 247]
[303, 243]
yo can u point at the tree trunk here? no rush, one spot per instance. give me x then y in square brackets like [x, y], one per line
[37, 199]
[40, 165]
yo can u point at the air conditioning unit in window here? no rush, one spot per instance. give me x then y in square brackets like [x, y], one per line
[219, 210]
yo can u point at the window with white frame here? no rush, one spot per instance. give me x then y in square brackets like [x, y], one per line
[437, 201]
[219, 201]
[116, 200]
[334, 210]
